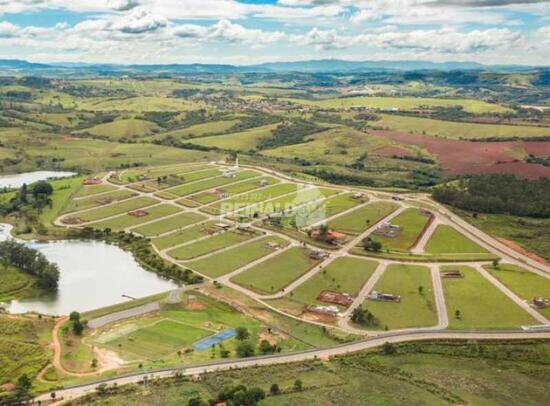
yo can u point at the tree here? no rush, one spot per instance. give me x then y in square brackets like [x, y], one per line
[23, 386]
[496, 262]
[74, 316]
[266, 348]
[245, 349]
[421, 290]
[94, 363]
[457, 314]
[78, 327]
[363, 316]
[274, 390]
[242, 333]
[298, 385]
[195, 402]
[370, 245]
[388, 348]
[41, 188]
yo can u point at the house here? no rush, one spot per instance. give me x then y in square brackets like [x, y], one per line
[222, 226]
[387, 230]
[541, 302]
[139, 213]
[327, 310]
[329, 296]
[273, 245]
[318, 255]
[330, 236]
[384, 297]
[263, 183]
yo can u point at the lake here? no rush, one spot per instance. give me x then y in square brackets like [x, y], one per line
[17, 180]
[93, 274]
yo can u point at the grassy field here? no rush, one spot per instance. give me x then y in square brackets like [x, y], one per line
[188, 189]
[481, 304]
[89, 202]
[233, 259]
[63, 190]
[169, 224]
[344, 275]
[139, 104]
[361, 219]
[200, 130]
[416, 309]
[446, 240]
[124, 221]
[525, 284]
[209, 245]
[183, 236]
[244, 140]
[251, 198]
[405, 103]
[457, 130]
[242, 187]
[89, 190]
[420, 373]
[277, 272]
[124, 128]
[115, 209]
[412, 222]
[13, 282]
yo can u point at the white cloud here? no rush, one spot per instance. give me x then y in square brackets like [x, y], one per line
[139, 21]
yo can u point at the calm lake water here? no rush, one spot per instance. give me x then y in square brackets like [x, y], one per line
[93, 274]
[15, 181]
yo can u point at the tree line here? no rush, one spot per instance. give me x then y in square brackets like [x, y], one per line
[31, 262]
[499, 194]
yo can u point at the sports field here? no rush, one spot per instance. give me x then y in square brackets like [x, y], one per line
[277, 272]
[412, 222]
[416, 309]
[169, 224]
[127, 220]
[361, 219]
[446, 240]
[209, 245]
[480, 304]
[220, 264]
[527, 285]
[117, 208]
[344, 275]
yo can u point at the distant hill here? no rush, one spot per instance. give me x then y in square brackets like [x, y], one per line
[9, 66]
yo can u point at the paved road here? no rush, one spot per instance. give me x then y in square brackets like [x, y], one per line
[423, 240]
[78, 391]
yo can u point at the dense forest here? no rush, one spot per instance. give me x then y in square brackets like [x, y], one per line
[31, 262]
[500, 194]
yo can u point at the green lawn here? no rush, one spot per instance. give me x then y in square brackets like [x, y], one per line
[169, 224]
[150, 172]
[89, 202]
[523, 283]
[115, 209]
[187, 189]
[359, 220]
[233, 259]
[481, 304]
[412, 222]
[415, 309]
[63, 190]
[447, 240]
[276, 273]
[124, 221]
[124, 128]
[12, 280]
[183, 236]
[344, 275]
[209, 245]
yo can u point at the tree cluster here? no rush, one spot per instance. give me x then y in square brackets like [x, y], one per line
[35, 197]
[363, 317]
[500, 194]
[288, 133]
[31, 262]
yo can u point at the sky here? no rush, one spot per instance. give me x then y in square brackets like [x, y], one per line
[256, 31]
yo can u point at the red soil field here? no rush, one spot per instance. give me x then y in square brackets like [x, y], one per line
[457, 157]
[538, 148]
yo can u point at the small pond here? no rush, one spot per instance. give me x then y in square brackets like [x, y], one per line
[93, 274]
[17, 180]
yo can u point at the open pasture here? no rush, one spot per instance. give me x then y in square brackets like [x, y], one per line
[277, 272]
[200, 130]
[220, 264]
[446, 240]
[127, 128]
[479, 303]
[361, 219]
[244, 140]
[416, 308]
[209, 245]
